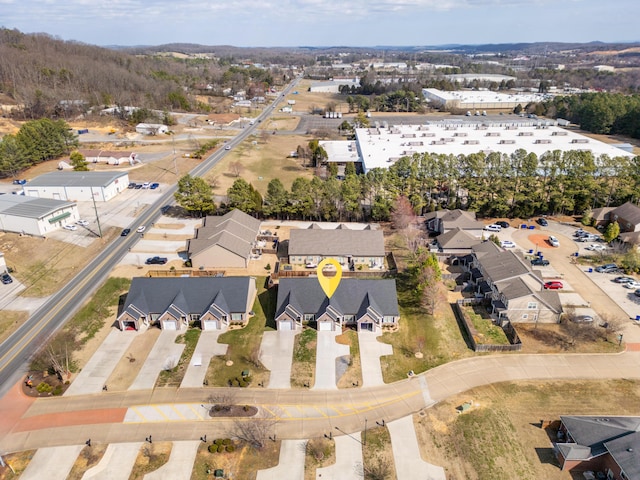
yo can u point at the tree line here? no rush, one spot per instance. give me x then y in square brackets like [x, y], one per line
[599, 112]
[494, 185]
[36, 141]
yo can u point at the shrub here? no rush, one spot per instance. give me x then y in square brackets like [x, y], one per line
[44, 387]
[58, 390]
[213, 448]
[226, 441]
[243, 384]
[217, 441]
[230, 448]
[221, 448]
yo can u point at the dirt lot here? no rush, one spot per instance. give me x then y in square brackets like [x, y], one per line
[501, 437]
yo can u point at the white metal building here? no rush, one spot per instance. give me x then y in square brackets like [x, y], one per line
[479, 99]
[78, 186]
[151, 128]
[381, 146]
[35, 216]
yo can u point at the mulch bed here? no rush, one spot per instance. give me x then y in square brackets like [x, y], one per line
[232, 411]
[35, 378]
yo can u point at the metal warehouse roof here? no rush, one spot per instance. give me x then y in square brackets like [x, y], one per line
[75, 179]
[381, 146]
[30, 207]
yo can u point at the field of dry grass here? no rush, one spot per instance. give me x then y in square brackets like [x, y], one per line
[501, 437]
[259, 160]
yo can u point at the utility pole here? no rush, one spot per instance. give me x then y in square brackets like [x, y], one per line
[95, 209]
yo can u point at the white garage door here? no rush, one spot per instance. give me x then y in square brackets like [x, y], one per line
[168, 325]
[325, 326]
[284, 325]
[210, 324]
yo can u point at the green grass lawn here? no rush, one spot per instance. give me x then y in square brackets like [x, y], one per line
[377, 457]
[437, 337]
[303, 366]
[244, 345]
[488, 333]
[352, 377]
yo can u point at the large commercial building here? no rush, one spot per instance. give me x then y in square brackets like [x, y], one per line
[382, 145]
[479, 100]
[78, 186]
[35, 216]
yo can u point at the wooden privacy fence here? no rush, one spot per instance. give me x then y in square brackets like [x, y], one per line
[185, 273]
[510, 332]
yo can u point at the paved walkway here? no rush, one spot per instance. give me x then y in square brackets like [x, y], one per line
[116, 463]
[348, 464]
[276, 354]
[370, 352]
[291, 464]
[327, 350]
[54, 463]
[406, 452]
[97, 370]
[207, 348]
[165, 354]
[180, 463]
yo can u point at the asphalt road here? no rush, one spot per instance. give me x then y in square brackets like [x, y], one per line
[17, 350]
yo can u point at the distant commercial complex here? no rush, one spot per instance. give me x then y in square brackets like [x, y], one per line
[382, 145]
[479, 99]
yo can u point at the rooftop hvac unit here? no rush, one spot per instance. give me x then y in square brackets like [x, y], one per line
[525, 134]
[580, 140]
[507, 142]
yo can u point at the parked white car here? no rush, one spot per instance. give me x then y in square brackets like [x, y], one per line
[554, 241]
[632, 285]
[84, 223]
[596, 247]
[507, 244]
[493, 228]
[70, 227]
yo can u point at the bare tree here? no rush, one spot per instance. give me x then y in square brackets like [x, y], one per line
[236, 168]
[253, 431]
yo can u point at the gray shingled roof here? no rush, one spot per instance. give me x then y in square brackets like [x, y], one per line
[189, 294]
[629, 211]
[351, 297]
[31, 207]
[456, 218]
[75, 179]
[235, 231]
[362, 243]
[595, 435]
[503, 265]
[456, 238]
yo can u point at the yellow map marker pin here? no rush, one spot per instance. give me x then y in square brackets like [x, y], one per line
[329, 284]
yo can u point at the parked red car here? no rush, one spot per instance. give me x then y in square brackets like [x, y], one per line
[553, 285]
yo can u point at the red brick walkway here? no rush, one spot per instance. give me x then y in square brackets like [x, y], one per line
[12, 407]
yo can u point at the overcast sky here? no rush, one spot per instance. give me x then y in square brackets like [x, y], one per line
[324, 22]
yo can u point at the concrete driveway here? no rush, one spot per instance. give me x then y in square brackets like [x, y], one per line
[95, 373]
[291, 464]
[207, 348]
[327, 351]
[406, 453]
[180, 462]
[116, 463]
[348, 465]
[276, 353]
[165, 354]
[57, 462]
[370, 352]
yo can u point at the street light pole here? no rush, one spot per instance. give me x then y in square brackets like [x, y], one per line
[364, 442]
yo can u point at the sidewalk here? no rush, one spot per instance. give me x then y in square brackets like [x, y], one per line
[180, 463]
[57, 462]
[116, 463]
[348, 464]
